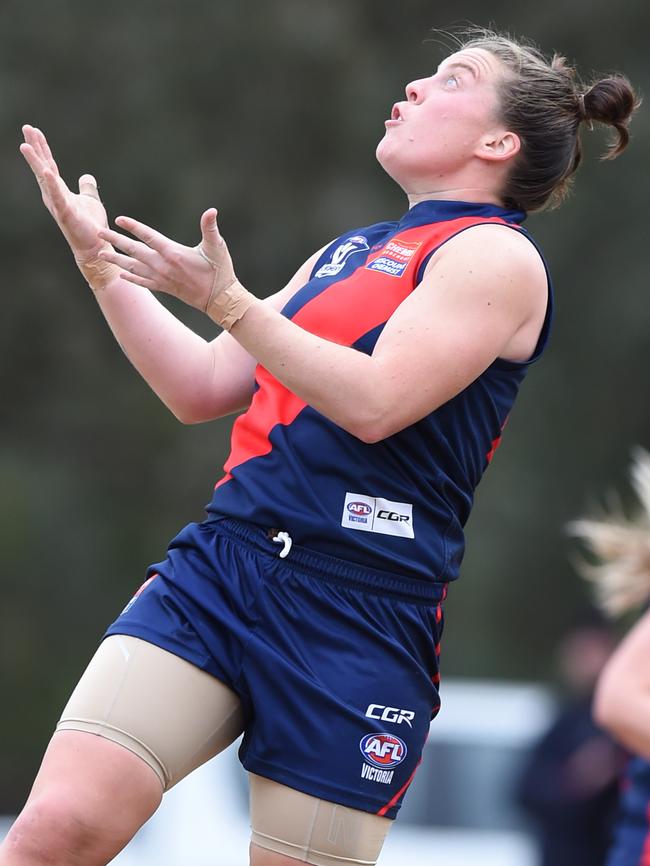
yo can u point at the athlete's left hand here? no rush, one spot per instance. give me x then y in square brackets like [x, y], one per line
[193, 274]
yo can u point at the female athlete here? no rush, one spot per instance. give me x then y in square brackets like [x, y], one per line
[306, 610]
[622, 703]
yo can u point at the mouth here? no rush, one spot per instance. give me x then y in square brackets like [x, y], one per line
[395, 116]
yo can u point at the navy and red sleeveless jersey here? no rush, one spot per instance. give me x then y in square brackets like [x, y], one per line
[398, 505]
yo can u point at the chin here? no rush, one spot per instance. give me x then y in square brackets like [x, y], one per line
[388, 159]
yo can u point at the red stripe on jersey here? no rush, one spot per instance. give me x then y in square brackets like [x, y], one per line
[342, 314]
[496, 441]
[272, 404]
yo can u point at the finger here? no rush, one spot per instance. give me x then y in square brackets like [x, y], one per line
[210, 235]
[88, 186]
[149, 236]
[36, 139]
[29, 132]
[55, 188]
[134, 249]
[139, 281]
[43, 145]
[32, 159]
[131, 266]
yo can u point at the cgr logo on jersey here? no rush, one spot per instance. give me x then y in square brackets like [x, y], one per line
[373, 514]
[341, 254]
[383, 750]
[395, 258]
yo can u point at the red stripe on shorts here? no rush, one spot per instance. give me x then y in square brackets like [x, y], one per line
[645, 854]
[393, 800]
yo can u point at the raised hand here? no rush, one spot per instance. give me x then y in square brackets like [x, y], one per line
[79, 216]
[196, 275]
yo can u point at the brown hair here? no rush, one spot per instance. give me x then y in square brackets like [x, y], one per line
[544, 102]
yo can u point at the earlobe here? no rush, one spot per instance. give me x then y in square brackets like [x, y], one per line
[498, 148]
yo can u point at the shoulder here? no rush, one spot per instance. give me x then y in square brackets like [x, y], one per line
[502, 247]
[492, 258]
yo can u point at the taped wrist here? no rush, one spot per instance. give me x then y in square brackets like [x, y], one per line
[97, 272]
[228, 300]
[228, 305]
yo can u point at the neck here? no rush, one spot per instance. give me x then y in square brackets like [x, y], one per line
[468, 193]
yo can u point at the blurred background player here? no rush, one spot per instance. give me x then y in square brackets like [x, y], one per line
[621, 546]
[570, 784]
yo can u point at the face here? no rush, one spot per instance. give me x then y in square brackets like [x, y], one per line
[444, 122]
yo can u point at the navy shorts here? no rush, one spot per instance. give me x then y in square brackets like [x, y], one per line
[336, 666]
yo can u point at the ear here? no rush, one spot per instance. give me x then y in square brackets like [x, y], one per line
[498, 147]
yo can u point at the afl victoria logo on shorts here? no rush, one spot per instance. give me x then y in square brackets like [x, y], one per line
[383, 750]
[372, 514]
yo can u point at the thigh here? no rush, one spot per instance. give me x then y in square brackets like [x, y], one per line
[171, 714]
[293, 824]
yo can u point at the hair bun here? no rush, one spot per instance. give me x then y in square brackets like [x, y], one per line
[611, 101]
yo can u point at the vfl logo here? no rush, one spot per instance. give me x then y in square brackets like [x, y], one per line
[341, 254]
[383, 750]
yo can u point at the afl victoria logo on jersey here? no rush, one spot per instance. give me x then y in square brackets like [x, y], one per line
[340, 256]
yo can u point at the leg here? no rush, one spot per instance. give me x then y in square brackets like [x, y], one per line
[290, 826]
[89, 798]
[139, 721]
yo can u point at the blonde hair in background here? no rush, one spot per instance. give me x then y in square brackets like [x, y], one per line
[621, 547]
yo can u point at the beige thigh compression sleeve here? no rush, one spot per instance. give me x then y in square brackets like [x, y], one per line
[312, 830]
[167, 711]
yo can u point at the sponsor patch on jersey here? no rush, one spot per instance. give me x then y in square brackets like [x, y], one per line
[383, 750]
[340, 256]
[395, 258]
[373, 514]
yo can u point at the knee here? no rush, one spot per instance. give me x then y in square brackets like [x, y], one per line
[53, 829]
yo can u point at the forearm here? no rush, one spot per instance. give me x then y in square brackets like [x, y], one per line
[339, 382]
[174, 361]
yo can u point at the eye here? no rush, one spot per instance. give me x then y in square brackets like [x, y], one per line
[451, 81]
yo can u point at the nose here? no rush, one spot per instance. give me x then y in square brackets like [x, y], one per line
[415, 90]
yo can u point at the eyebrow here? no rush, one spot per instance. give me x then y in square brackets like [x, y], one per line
[460, 65]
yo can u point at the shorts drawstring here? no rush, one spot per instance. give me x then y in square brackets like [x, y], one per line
[285, 539]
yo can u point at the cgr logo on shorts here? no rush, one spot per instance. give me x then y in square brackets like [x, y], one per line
[390, 714]
[383, 750]
[340, 256]
[372, 514]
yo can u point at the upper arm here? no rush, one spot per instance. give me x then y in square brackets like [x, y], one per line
[233, 368]
[483, 296]
[626, 674]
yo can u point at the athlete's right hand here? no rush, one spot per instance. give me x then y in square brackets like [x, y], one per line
[79, 216]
